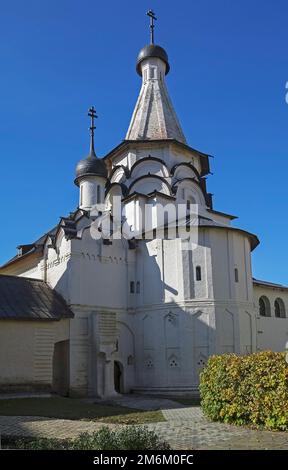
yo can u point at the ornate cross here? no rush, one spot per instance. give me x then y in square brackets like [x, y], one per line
[92, 114]
[152, 17]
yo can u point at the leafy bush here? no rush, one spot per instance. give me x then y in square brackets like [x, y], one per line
[127, 438]
[250, 389]
[35, 444]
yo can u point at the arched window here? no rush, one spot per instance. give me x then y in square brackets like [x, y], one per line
[236, 275]
[279, 308]
[264, 307]
[138, 287]
[198, 273]
[132, 287]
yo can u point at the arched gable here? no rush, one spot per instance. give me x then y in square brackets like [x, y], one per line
[119, 174]
[147, 165]
[115, 189]
[189, 189]
[184, 170]
[149, 183]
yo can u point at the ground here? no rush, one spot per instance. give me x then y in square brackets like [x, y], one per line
[74, 409]
[181, 423]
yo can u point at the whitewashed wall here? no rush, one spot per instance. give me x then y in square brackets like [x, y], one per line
[26, 351]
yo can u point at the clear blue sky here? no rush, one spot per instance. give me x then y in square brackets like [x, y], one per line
[227, 81]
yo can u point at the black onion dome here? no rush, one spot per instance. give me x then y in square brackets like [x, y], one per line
[90, 166]
[152, 50]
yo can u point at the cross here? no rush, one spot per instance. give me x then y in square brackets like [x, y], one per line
[92, 114]
[152, 17]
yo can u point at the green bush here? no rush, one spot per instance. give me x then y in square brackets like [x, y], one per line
[127, 438]
[250, 389]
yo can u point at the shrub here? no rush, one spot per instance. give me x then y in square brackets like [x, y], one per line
[127, 438]
[250, 389]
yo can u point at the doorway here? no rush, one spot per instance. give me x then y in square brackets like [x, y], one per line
[60, 378]
[118, 377]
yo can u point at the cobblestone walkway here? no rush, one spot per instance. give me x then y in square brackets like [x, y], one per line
[186, 428]
[144, 403]
[32, 426]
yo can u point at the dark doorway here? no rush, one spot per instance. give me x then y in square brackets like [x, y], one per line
[60, 383]
[118, 377]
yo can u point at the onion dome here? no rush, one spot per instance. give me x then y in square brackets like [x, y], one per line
[152, 50]
[91, 165]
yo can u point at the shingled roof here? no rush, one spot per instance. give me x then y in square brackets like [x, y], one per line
[68, 224]
[30, 299]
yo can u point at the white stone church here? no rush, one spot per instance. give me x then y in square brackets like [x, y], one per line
[85, 313]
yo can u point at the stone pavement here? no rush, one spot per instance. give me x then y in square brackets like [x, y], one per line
[37, 426]
[141, 402]
[186, 428]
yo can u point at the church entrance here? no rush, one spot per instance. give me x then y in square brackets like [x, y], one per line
[118, 377]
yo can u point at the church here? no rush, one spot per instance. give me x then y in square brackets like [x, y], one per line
[103, 304]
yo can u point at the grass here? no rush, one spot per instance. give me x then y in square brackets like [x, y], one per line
[75, 409]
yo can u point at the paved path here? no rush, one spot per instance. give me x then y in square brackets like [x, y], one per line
[32, 426]
[144, 403]
[185, 428]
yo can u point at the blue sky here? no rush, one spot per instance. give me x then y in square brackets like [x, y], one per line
[227, 82]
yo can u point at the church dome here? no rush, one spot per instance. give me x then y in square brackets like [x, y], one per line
[90, 166]
[152, 50]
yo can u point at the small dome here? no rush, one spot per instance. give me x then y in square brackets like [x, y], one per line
[90, 166]
[152, 50]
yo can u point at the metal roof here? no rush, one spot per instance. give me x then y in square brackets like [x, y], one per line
[30, 299]
[269, 284]
[152, 50]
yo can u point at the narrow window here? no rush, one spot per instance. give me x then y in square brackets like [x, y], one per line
[198, 273]
[152, 72]
[188, 209]
[137, 287]
[166, 226]
[81, 195]
[98, 194]
[132, 287]
[236, 275]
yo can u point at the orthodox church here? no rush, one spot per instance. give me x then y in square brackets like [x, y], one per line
[86, 313]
